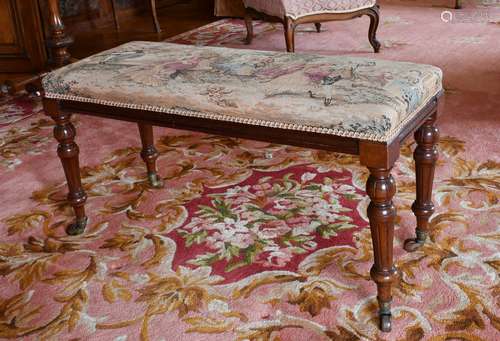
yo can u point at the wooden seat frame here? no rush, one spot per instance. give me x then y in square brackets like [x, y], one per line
[291, 24]
[378, 157]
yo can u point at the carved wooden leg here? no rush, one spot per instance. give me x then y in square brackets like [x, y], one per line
[374, 15]
[68, 151]
[249, 25]
[318, 27]
[58, 41]
[154, 14]
[149, 154]
[426, 156]
[381, 188]
[290, 34]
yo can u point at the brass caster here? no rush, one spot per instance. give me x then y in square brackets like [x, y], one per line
[385, 323]
[413, 244]
[384, 315]
[77, 227]
[155, 181]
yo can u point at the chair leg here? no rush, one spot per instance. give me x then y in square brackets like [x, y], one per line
[68, 152]
[115, 14]
[290, 34]
[249, 25]
[318, 27]
[154, 14]
[426, 156]
[374, 15]
[381, 187]
[149, 154]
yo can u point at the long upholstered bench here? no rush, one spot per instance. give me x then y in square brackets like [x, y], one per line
[351, 105]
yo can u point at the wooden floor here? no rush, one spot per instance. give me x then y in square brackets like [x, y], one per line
[95, 36]
[139, 26]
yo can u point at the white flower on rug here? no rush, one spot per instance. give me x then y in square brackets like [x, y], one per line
[268, 223]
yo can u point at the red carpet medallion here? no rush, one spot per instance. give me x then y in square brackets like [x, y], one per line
[251, 241]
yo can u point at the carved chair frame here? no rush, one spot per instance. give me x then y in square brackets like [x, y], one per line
[291, 24]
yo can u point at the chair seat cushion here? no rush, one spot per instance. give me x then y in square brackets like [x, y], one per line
[339, 95]
[301, 8]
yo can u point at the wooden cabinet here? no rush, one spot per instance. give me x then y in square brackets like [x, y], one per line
[33, 38]
[22, 47]
[32, 41]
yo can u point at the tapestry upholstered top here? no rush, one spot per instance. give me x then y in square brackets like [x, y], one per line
[346, 96]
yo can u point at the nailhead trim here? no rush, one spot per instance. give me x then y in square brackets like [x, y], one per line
[255, 122]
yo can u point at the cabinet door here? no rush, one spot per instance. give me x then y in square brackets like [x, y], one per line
[21, 38]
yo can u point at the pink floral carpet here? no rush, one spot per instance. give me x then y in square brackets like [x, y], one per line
[252, 241]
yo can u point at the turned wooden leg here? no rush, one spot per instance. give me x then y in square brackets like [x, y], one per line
[426, 156]
[381, 187]
[290, 34]
[58, 41]
[318, 27]
[149, 154]
[68, 151]
[249, 25]
[458, 4]
[154, 14]
[115, 14]
[374, 15]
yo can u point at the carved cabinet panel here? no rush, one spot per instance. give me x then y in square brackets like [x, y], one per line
[21, 37]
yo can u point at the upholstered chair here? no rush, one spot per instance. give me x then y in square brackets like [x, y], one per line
[294, 12]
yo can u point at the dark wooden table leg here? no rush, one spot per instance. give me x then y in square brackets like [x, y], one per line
[68, 152]
[290, 34]
[114, 8]
[249, 25]
[426, 156]
[381, 188]
[149, 154]
[374, 14]
[318, 27]
[154, 14]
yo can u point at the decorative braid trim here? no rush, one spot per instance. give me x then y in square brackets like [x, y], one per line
[255, 122]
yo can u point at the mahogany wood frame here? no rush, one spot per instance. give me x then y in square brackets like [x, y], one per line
[291, 24]
[59, 41]
[378, 157]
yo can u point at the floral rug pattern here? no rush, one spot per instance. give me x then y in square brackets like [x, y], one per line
[23, 130]
[246, 240]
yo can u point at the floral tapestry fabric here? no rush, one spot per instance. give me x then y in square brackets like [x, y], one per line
[301, 8]
[134, 274]
[346, 96]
